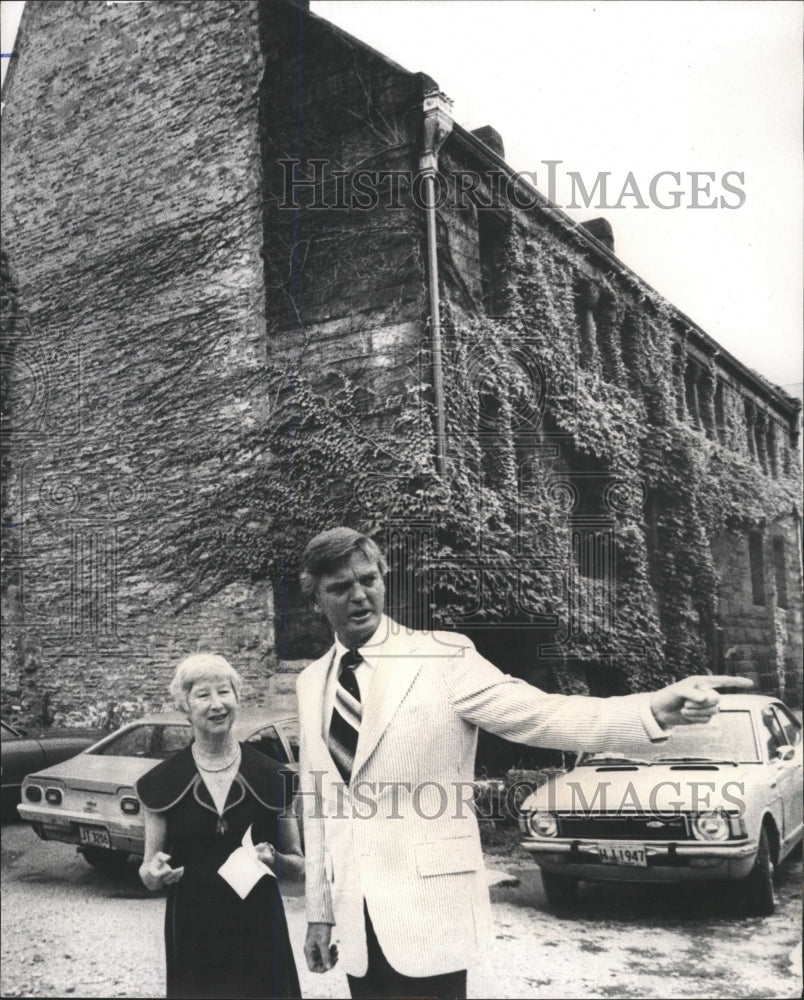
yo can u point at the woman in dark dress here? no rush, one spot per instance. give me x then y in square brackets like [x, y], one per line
[198, 805]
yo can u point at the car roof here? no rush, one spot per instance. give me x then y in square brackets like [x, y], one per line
[251, 716]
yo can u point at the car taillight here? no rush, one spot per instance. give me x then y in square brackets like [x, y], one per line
[53, 796]
[33, 793]
[543, 824]
[130, 805]
[711, 826]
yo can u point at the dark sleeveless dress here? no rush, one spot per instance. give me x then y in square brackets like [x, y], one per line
[218, 945]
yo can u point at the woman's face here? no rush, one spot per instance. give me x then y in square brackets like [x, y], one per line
[212, 705]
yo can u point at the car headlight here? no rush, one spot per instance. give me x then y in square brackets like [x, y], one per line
[33, 793]
[711, 826]
[543, 824]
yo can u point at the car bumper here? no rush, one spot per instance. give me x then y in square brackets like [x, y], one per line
[667, 861]
[66, 828]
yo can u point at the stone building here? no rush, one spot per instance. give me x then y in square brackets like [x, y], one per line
[257, 281]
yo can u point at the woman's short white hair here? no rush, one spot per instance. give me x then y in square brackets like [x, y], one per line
[201, 666]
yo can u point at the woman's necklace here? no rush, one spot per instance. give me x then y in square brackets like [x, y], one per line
[206, 766]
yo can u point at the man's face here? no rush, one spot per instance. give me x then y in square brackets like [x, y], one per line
[352, 599]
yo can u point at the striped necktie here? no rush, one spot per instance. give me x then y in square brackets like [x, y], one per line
[344, 726]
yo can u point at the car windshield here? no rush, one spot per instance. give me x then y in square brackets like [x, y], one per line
[728, 737]
[156, 740]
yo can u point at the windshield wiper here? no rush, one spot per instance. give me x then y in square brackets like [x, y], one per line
[695, 760]
[619, 760]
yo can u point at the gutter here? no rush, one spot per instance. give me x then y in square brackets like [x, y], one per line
[437, 125]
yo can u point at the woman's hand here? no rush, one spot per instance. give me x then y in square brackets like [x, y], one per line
[156, 873]
[267, 854]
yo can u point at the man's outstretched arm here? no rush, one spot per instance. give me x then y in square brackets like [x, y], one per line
[523, 713]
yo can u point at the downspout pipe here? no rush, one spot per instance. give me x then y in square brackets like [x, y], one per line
[437, 125]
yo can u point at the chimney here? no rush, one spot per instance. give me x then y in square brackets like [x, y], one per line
[601, 230]
[492, 138]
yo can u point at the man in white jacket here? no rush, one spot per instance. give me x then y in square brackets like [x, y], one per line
[389, 721]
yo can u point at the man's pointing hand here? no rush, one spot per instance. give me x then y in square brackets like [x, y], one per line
[693, 700]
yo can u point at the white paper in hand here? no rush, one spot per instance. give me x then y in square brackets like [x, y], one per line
[243, 869]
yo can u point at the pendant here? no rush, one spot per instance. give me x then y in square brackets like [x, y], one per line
[223, 826]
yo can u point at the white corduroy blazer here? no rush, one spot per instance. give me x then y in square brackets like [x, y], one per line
[403, 836]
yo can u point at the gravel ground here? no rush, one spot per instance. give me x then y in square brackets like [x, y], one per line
[71, 931]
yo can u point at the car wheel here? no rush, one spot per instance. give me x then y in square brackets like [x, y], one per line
[757, 887]
[102, 857]
[561, 890]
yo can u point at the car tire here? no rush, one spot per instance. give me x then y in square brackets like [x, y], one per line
[757, 887]
[561, 890]
[102, 857]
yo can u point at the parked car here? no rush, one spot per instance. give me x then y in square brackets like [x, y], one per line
[716, 802]
[23, 752]
[90, 800]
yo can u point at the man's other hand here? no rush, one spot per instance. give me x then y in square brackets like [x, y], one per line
[320, 957]
[693, 700]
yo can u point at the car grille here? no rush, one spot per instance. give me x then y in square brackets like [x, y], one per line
[620, 827]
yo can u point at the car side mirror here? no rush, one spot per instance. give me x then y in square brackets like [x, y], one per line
[784, 753]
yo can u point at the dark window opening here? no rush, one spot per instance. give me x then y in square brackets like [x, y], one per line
[678, 383]
[771, 450]
[720, 412]
[491, 231]
[750, 418]
[691, 394]
[780, 572]
[631, 349]
[587, 297]
[706, 400]
[609, 339]
[757, 560]
[759, 440]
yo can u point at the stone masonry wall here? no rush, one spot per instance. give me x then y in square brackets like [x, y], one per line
[760, 608]
[131, 222]
[345, 279]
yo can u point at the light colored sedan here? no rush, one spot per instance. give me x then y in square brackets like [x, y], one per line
[90, 800]
[716, 802]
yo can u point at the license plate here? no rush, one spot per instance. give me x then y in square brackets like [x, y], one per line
[622, 854]
[94, 836]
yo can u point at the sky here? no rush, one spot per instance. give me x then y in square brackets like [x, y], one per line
[633, 90]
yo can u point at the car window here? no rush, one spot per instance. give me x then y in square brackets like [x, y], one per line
[290, 731]
[773, 732]
[790, 726]
[134, 742]
[169, 739]
[155, 740]
[267, 741]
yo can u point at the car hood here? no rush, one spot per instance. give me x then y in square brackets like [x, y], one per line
[97, 772]
[658, 788]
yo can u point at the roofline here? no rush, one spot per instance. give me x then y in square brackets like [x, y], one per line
[791, 407]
